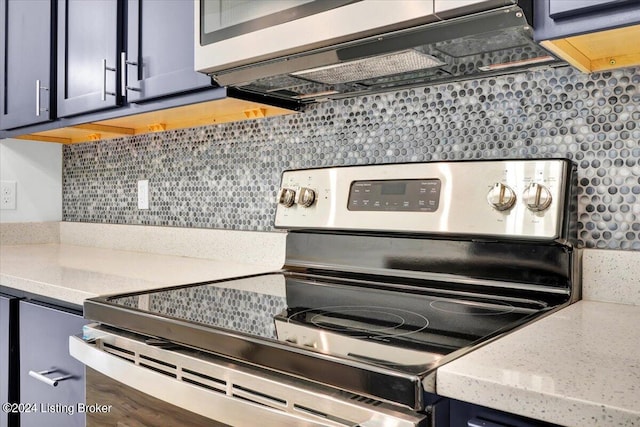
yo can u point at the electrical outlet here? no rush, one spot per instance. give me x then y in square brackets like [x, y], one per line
[143, 194]
[8, 195]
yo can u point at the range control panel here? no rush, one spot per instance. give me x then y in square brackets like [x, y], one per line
[502, 198]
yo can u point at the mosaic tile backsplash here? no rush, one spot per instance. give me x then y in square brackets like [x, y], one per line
[226, 176]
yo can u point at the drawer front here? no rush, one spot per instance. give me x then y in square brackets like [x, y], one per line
[44, 346]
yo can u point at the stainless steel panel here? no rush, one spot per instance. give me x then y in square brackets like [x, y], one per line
[451, 8]
[547, 270]
[309, 32]
[463, 207]
[340, 345]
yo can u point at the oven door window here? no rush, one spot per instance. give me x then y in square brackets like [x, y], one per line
[224, 19]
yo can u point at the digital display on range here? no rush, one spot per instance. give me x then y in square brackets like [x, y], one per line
[394, 187]
[407, 195]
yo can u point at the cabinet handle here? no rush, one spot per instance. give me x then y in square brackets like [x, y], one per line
[123, 71]
[39, 108]
[53, 382]
[104, 80]
[123, 64]
[478, 422]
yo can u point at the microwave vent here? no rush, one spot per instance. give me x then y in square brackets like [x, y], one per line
[371, 68]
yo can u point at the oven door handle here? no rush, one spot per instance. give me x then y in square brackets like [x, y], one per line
[210, 404]
[215, 405]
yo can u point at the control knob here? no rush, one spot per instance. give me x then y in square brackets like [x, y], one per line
[305, 197]
[501, 197]
[287, 197]
[537, 197]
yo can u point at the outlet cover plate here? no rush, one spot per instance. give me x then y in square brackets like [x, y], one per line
[8, 191]
[143, 194]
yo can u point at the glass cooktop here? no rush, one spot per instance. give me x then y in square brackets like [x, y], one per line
[372, 322]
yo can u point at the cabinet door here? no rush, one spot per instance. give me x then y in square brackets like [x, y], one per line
[89, 46]
[9, 358]
[44, 346]
[467, 414]
[554, 19]
[4, 357]
[25, 45]
[160, 46]
[561, 8]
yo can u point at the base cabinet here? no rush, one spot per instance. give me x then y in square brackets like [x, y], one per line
[4, 356]
[8, 359]
[44, 357]
[464, 414]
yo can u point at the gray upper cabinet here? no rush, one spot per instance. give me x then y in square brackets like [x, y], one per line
[564, 18]
[563, 8]
[25, 72]
[89, 47]
[44, 349]
[159, 58]
[82, 61]
[138, 50]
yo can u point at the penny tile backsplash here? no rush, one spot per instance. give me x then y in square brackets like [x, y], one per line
[227, 176]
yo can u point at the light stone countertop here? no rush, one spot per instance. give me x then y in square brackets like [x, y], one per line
[73, 273]
[577, 367]
[70, 261]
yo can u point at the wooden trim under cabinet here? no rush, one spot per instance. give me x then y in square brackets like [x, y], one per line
[193, 115]
[599, 51]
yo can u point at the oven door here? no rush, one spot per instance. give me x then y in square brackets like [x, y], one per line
[136, 380]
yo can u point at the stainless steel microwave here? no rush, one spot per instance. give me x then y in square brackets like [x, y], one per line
[232, 33]
[305, 49]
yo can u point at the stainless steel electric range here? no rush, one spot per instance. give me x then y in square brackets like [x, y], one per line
[391, 271]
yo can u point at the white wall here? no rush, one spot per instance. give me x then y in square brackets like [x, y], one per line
[37, 169]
